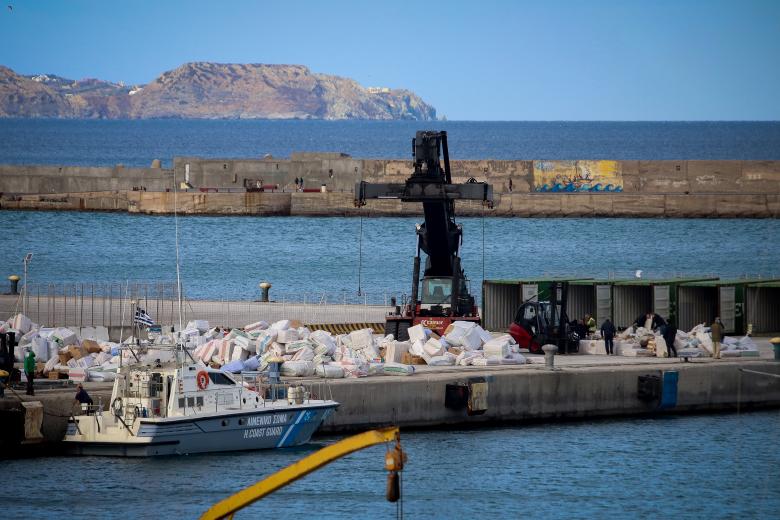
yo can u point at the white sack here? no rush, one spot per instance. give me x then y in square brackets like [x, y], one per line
[329, 371]
[397, 369]
[416, 348]
[395, 351]
[297, 368]
[361, 338]
[433, 348]
[417, 333]
[287, 336]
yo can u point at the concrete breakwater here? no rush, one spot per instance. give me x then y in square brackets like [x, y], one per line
[583, 387]
[522, 188]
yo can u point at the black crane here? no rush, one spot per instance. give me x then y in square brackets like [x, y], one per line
[444, 293]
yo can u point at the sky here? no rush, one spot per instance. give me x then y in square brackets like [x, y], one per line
[472, 60]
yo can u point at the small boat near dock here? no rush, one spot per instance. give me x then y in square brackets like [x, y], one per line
[187, 407]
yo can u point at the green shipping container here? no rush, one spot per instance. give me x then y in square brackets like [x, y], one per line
[701, 301]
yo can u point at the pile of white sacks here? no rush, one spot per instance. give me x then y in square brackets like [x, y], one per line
[84, 353]
[87, 354]
[361, 353]
[642, 342]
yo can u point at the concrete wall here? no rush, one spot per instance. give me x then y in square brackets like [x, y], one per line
[342, 204]
[533, 394]
[515, 395]
[641, 188]
[70, 179]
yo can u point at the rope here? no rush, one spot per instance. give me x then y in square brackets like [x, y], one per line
[176, 225]
[483, 244]
[360, 257]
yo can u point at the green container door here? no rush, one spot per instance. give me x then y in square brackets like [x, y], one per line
[662, 304]
[727, 308]
[603, 303]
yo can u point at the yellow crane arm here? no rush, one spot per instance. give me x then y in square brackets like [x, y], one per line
[227, 507]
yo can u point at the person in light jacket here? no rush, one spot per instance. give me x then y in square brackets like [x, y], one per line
[716, 329]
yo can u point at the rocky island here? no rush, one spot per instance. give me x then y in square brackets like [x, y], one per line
[205, 90]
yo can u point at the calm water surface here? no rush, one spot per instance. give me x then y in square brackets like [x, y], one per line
[716, 466]
[136, 143]
[226, 257]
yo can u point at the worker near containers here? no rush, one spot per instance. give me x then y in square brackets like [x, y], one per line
[590, 322]
[717, 330]
[608, 333]
[29, 371]
[650, 320]
[669, 333]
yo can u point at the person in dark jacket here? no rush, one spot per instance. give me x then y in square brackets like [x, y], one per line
[82, 396]
[656, 321]
[669, 334]
[608, 333]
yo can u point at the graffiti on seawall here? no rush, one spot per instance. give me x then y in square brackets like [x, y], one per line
[578, 176]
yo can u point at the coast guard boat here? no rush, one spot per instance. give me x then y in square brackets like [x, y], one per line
[191, 408]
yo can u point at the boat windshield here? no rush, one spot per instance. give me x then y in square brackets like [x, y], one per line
[220, 379]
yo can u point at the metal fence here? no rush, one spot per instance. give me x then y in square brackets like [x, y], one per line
[113, 305]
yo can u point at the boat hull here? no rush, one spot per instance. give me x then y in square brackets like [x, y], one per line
[250, 430]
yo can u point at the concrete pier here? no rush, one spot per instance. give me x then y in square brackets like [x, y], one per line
[581, 387]
[734, 189]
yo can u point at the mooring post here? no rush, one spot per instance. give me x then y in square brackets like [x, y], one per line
[264, 287]
[14, 284]
[549, 356]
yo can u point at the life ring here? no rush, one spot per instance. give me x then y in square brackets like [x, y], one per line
[203, 380]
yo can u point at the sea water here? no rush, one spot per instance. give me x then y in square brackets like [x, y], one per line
[705, 466]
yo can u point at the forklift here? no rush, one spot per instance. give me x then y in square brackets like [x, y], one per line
[538, 323]
[442, 295]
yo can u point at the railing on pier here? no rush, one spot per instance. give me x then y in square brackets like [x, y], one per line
[111, 305]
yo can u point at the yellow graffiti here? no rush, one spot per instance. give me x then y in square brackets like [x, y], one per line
[574, 176]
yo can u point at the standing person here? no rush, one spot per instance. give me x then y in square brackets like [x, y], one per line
[301, 185]
[590, 322]
[29, 371]
[608, 333]
[717, 329]
[670, 334]
[82, 396]
[296, 184]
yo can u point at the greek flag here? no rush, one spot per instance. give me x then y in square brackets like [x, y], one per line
[142, 317]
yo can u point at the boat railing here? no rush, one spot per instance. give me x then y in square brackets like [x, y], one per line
[294, 392]
[92, 409]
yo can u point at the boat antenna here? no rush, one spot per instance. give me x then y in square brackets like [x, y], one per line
[178, 270]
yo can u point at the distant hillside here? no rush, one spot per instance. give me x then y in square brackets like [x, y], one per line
[209, 91]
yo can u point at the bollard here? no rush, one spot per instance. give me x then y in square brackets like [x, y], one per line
[549, 356]
[776, 344]
[14, 284]
[264, 287]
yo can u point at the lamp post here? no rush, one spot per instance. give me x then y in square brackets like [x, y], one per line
[26, 261]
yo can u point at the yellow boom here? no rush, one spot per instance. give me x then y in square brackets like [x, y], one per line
[226, 508]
